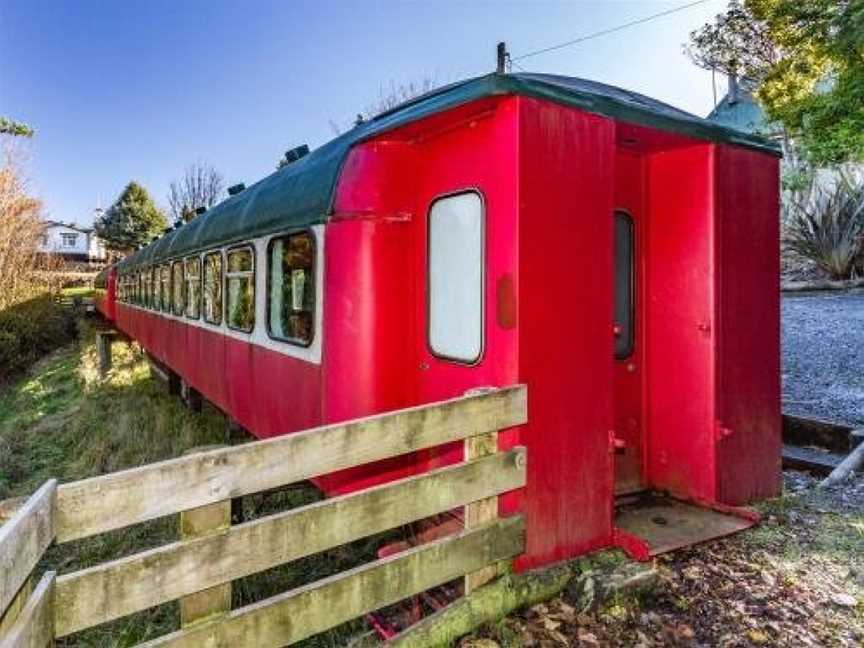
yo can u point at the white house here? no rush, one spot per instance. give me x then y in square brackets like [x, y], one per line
[72, 242]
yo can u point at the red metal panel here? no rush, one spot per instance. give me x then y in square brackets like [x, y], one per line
[629, 372]
[566, 197]
[267, 392]
[679, 312]
[368, 329]
[748, 302]
[453, 161]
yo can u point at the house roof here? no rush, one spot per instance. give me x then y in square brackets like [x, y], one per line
[78, 228]
[301, 194]
[742, 113]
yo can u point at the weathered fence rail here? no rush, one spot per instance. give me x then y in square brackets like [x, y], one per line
[209, 558]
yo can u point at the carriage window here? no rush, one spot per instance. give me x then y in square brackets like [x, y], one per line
[456, 277]
[624, 289]
[240, 289]
[213, 288]
[193, 287]
[156, 295]
[165, 290]
[178, 297]
[145, 288]
[291, 288]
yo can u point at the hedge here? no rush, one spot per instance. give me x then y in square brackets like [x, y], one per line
[31, 329]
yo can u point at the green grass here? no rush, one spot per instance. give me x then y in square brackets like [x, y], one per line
[62, 420]
[78, 291]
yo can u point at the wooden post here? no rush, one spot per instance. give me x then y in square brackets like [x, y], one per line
[191, 397]
[203, 521]
[103, 349]
[485, 510]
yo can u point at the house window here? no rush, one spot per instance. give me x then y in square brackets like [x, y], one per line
[240, 289]
[68, 240]
[193, 287]
[291, 288]
[624, 285]
[212, 296]
[455, 288]
[165, 290]
[177, 288]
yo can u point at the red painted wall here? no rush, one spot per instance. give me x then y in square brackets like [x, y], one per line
[267, 392]
[630, 195]
[748, 306]
[567, 165]
[680, 322]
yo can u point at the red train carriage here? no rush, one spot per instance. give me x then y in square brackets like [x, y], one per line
[616, 254]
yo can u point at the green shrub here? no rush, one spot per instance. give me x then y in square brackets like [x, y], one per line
[826, 227]
[30, 329]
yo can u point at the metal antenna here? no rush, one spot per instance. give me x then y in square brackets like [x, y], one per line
[502, 57]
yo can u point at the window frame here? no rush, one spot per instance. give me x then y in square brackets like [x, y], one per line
[178, 263]
[220, 282]
[631, 223]
[227, 274]
[186, 280]
[165, 301]
[155, 288]
[483, 276]
[268, 270]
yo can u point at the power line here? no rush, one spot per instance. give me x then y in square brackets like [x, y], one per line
[610, 30]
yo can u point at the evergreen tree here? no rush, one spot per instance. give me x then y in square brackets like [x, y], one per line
[133, 219]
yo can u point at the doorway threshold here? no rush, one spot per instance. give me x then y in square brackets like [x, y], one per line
[663, 524]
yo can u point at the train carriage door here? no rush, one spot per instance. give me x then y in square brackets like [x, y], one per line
[451, 332]
[627, 324]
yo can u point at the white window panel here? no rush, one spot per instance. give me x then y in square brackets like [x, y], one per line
[456, 256]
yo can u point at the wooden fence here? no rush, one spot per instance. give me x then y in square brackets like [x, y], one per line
[198, 568]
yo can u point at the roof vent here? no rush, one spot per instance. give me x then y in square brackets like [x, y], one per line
[233, 190]
[200, 210]
[296, 153]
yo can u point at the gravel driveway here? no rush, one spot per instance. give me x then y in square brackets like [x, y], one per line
[823, 355]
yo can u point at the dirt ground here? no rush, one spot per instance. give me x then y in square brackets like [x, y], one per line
[795, 580]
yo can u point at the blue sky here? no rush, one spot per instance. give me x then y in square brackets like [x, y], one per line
[122, 90]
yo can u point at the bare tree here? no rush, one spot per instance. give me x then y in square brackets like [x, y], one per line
[201, 186]
[22, 271]
[390, 96]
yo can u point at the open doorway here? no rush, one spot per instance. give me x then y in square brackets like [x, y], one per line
[628, 325]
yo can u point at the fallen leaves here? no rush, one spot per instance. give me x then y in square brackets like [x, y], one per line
[796, 580]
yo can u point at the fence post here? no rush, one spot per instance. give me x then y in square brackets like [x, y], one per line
[103, 349]
[485, 510]
[194, 523]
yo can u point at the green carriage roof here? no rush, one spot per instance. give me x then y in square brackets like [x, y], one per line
[301, 193]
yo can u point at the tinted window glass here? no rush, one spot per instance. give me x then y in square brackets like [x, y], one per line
[193, 287]
[212, 296]
[178, 300]
[624, 276]
[291, 288]
[240, 288]
[165, 290]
